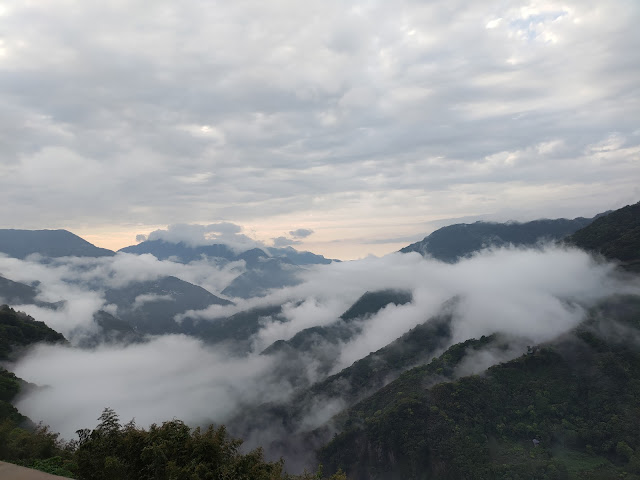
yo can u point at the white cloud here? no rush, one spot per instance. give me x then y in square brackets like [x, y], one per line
[534, 294]
[277, 114]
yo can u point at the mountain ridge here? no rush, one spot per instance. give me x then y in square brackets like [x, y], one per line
[453, 242]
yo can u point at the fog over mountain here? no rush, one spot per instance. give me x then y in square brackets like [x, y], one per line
[534, 294]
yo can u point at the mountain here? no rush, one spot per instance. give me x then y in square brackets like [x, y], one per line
[263, 274]
[566, 409]
[616, 236]
[113, 330]
[19, 330]
[16, 293]
[150, 306]
[237, 328]
[322, 342]
[21, 440]
[451, 243]
[181, 252]
[48, 243]
[299, 258]
[288, 429]
[265, 269]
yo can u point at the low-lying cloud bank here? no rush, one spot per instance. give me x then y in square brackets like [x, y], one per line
[81, 282]
[533, 294]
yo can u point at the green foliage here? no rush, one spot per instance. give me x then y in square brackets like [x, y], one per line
[579, 398]
[33, 447]
[616, 235]
[171, 451]
[55, 466]
[451, 243]
[19, 330]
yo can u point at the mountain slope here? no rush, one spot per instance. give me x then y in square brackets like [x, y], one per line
[578, 397]
[288, 429]
[263, 273]
[451, 243]
[16, 293]
[615, 235]
[48, 243]
[150, 306]
[18, 330]
[321, 342]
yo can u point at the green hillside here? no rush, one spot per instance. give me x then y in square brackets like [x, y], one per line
[18, 330]
[579, 397]
[616, 236]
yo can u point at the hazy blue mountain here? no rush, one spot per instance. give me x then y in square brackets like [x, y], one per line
[48, 243]
[300, 258]
[184, 253]
[16, 293]
[615, 235]
[451, 243]
[263, 274]
[113, 330]
[180, 252]
[150, 306]
[266, 269]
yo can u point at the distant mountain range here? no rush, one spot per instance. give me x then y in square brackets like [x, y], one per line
[451, 243]
[265, 269]
[181, 252]
[412, 409]
[48, 243]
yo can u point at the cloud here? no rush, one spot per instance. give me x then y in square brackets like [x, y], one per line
[301, 233]
[273, 118]
[141, 238]
[140, 300]
[170, 376]
[81, 282]
[195, 235]
[533, 295]
[284, 242]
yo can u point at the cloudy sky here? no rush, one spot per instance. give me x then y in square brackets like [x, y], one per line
[367, 123]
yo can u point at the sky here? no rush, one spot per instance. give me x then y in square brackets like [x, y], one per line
[367, 123]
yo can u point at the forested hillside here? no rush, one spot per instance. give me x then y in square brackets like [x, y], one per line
[566, 409]
[453, 242]
[616, 236]
[18, 330]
